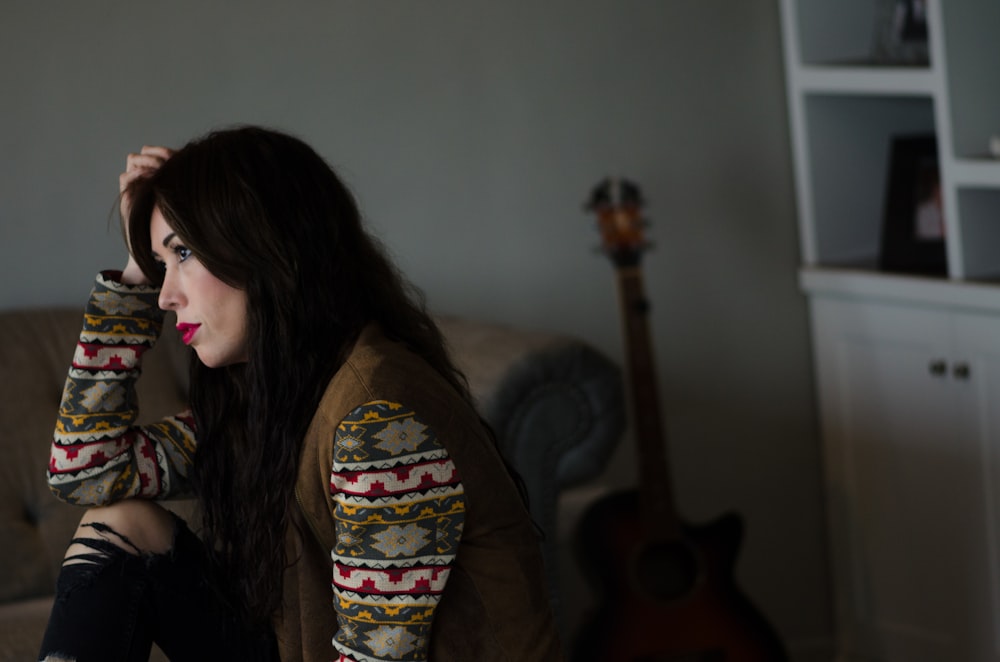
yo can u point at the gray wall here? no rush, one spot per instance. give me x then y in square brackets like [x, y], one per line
[472, 133]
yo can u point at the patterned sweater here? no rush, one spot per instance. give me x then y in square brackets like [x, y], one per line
[399, 506]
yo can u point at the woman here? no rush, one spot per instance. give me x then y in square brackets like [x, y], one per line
[329, 435]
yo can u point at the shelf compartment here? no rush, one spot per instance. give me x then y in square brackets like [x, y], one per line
[979, 210]
[834, 32]
[970, 34]
[849, 139]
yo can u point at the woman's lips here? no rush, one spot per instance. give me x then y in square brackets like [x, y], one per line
[187, 331]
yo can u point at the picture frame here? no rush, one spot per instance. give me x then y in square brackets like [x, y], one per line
[900, 33]
[913, 225]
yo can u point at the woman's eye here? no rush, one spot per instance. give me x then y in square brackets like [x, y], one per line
[182, 253]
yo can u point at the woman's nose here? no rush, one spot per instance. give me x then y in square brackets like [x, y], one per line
[170, 294]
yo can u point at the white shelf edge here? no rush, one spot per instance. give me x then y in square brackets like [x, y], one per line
[866, 80]
[900, 288]
[975, 173]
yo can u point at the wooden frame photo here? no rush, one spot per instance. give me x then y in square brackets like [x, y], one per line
[913, 225]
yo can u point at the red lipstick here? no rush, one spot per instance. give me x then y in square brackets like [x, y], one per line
[187, 331]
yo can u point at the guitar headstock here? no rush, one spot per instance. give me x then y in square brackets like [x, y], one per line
[618, 204]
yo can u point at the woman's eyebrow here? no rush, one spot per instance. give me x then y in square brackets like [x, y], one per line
[166, 240]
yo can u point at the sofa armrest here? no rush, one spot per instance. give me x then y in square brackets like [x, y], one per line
[555, 403]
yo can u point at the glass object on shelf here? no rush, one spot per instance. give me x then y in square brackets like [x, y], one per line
[900, 33]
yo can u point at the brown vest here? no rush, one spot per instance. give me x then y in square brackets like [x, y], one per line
[495, 605]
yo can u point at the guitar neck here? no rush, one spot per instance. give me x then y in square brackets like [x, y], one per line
[655, 486]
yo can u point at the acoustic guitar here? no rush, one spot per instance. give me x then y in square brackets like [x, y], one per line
[668, 593]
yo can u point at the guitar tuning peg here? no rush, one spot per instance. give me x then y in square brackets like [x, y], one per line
[614, 191]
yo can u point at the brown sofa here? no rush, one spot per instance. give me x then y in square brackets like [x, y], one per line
[555, 403]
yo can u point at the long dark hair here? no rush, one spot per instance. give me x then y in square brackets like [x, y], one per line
[266, 214]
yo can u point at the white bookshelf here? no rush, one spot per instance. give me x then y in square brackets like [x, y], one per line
[907, 366]
[845, 109]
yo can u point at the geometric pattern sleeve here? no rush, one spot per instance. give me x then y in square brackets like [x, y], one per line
[399, 508]
[98, 455]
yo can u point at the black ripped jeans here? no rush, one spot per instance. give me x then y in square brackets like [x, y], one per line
[112, 605]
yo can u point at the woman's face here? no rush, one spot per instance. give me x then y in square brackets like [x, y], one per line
[211, 315]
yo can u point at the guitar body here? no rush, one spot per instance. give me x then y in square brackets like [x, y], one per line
[669, 600]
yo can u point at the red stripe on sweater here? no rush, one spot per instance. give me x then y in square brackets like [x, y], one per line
[116, 361]
[375, 488]
[395, 576]
[107, 450]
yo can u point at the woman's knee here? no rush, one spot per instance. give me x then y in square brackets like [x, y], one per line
[138, 527]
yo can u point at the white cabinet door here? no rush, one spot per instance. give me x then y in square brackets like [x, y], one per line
[904, 483]
[977, 372]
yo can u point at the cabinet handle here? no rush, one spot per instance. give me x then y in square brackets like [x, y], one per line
[938, 367]
[961, 370]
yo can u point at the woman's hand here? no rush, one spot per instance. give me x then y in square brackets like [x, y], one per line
[143, 164]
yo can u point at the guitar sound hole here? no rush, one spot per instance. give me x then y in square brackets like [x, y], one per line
[666, 571]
